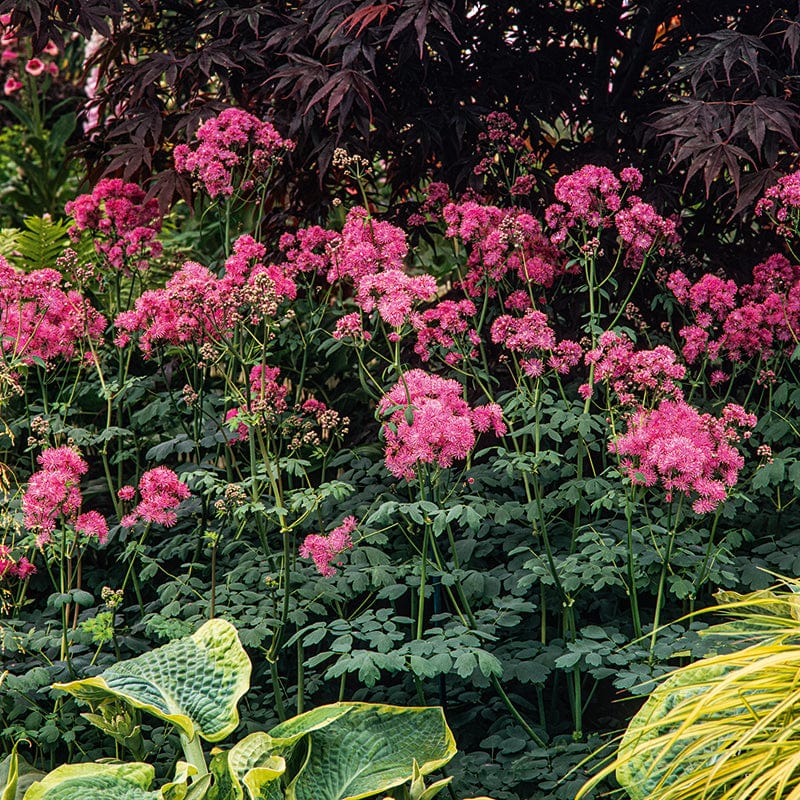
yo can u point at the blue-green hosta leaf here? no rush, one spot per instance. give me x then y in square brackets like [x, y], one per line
[371, 749]
[95, 782]
[642, 768]
[194, 682]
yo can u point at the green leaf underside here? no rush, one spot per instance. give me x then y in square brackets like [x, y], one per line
[194, 682]
[95, 782]
[370, 750]
[639, 773]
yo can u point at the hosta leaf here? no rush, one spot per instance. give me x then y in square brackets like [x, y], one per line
[194, 682]
[370, 750]
[95, 782]
[311, 720]
[641, 768]
[256, 764]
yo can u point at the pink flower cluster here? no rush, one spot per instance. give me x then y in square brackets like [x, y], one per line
[593, 199]
[430, 423]
[781, 204]
[532, 337]
[267, 399]
[325, 549]
[54, 493]
[38, 319]
[123, 224]
[760, 319]
[683, 451]
[10, 57]
[232, 151]
[10, 568]
[446, 328]
[196, 306]
[502, 241]
[161, 492]
[632, 374]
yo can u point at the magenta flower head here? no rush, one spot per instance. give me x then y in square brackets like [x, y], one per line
[11, 85]
[676, 447]
[34, 67]
[324, 549]
[161, 493]
[431, 423]
[230, 152]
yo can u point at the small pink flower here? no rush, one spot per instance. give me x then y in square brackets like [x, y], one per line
[92, 524]
[51, 49]
[11, 85]
[324, 549]
[9, 55]
[35, 67]
[126, 493]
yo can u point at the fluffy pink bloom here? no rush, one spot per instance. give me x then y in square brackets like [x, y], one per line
[633, 374]
[446, 328]
[587, 197]
[161, 492]
[123, 224]
[501, 243]
[781, 204]
[489, 417]
[393, 294]
[308, 250]
[429, 422]
[53, 493]
[352, 326]
[126, 493]
[761, 319]
[267, 398]
[197, 307]
[683, 451]
[233, 150]
[366, 246]
[325, 549]
[16, 569]
[92, 524]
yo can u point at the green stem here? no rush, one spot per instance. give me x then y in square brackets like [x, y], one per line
[193, 752]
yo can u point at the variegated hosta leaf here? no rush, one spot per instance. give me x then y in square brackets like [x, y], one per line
[95, 782]
[311, 720]
[194, 682]
[258, 763]
[371, 749]
[253, 768]
[643, 761]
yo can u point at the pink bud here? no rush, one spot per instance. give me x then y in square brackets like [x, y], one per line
[34, 67]
[5, 19]
[9, 55]
[52, 68]
[51, 49]
[11, 85]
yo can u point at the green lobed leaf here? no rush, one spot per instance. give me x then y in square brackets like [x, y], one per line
[194, 682]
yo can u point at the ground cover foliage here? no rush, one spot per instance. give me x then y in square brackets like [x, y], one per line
[480, 444]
